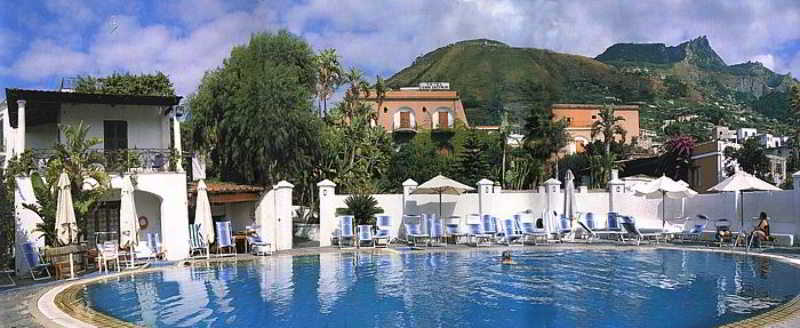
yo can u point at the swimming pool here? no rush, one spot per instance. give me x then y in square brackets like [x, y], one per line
[547, 288]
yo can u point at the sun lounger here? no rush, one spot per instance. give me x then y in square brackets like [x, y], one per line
[35, 263]
[453, 230]
[197, 243]
[365, 235]
[476, 235]
[588, 226]
[510, 234]
[414, 233]
[723, 233]
[530, 230]
[489, 226]
[564, 228]
[613, 227]
[695, 229]
[255, 243]
[225, 239]
[346, 231]
[435, 231]
[143, 252]
[629, 223]
[383, 236]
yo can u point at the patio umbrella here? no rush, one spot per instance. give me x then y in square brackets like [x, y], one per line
[442, 185]
[203, 214]
[664, 187]
[742, 181]
[569, 196]
[65, 213]
[128, 218]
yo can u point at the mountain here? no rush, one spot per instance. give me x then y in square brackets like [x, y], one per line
[667, 81]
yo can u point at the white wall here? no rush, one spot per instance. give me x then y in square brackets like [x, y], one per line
[148, 205]
[171, 188]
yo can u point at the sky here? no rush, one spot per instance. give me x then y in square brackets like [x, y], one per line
[43, 41]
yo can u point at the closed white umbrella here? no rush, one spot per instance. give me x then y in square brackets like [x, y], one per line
[664, 187]
[442, 185]
[202, 214]
[128, 218]
[742, 181]
[569, 197]
[66, 226]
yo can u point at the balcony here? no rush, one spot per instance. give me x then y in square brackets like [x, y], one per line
[405, 127]
[140, 160]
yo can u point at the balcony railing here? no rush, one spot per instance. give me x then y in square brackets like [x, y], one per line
[120, 160]
[405, 126]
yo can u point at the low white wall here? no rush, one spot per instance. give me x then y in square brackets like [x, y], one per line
[307, 231]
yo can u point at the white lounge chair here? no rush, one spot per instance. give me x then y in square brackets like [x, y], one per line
[613, 227]
[629, 223]
[435, 231]
[383, 236]
[365, 235]
[453, 230]
[346, 231]
[256, 244]
[109, 252]
[225, 239]
[35, 263]
[531, 230]
[694, 229]
[197, 243]
[489, 226]
[414, 229]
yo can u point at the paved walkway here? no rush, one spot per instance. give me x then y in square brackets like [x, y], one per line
[17, 305]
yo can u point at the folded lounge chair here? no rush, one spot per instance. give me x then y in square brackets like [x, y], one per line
[365, 235]
[346, 231]
[197, 243]
[489, 226]
[35, 263]
[510, 233]
[384, 231]
[531, 230]
[225, 239]
[629, 223]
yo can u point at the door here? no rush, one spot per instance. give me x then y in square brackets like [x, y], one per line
[104, 219]
[405, 120]
[115, 135]
[444, 120]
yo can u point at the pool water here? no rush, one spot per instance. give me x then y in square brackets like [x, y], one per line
[546, 288]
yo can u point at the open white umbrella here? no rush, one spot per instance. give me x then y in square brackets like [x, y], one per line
[664, 187]
[442, 185]
[128, 218]
[66, 226]
[742, 181]
[202, 215]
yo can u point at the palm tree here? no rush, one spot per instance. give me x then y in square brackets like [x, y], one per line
[505, 131]
[380, 92]
[545, 136]
[609, 126]
[329, 79]
[358, 89]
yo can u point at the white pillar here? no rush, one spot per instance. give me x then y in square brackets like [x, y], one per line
[176, 131]
[327, 211]
[409, 206]
[283, 215]
[20, 135]
[552, 189]
[796, 185]
[485, 187]
[616, 190]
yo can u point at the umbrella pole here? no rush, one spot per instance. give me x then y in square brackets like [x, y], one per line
[663, 210]
[440, 204]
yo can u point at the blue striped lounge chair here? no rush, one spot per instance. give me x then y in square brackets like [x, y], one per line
[489, 226]
[435, 231]
[564, 228]
[346, 232]
[588, 225]
[629, 224]
[613, 228]
[511, 235]
[695, 229]
[35, 263]
[197, 244]
[530, 230]
[414, 229]
[365, 235]
[225, 246]
[255, 243]
[383, 235]
[453, 230]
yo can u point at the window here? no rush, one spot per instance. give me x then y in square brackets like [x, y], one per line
[424, 110]
[104, 219]
[444, 120]
[115, 135]
[594, 117]
[385, 109]
[405, 120]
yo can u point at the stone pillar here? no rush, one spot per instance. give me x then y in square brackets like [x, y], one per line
[176, 132]
[485, 188]
[796, 185]
[409, 206]
[327, 211]
[498, 188]
[552, 191]
[20, 135]
[283, 215]
[616, 189]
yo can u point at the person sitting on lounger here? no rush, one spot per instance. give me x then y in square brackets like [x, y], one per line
[761, 233]
[507, 258]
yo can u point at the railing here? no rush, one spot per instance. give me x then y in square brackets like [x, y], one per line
[120, 160]
[404, 125]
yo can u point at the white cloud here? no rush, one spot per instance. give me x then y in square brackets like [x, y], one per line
[385, 36]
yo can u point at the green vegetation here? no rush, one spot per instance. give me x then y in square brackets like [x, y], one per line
[363, 208]
[157, 84]
[751, 158]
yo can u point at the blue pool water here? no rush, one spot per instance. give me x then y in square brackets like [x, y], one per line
[563, 288]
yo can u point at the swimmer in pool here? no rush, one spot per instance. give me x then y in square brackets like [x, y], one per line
[507, 258]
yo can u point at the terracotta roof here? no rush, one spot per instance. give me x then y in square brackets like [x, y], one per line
[593, 106]
[226, 188]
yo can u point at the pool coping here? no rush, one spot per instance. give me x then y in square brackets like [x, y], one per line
[51, 310]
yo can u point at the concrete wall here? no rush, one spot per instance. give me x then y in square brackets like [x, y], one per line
[273, 214]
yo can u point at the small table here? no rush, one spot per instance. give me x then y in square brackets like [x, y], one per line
[63, 260]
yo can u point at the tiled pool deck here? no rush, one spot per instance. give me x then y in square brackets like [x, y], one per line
[19, 306]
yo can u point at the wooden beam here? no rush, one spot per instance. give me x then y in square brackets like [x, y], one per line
[232, 198]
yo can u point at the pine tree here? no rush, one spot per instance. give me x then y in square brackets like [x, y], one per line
[472, 164]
